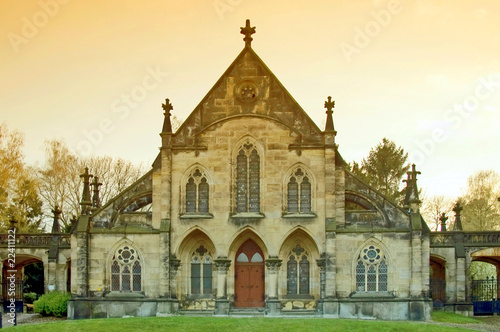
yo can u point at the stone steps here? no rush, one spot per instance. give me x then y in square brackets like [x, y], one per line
[200, 313]
[251, 312]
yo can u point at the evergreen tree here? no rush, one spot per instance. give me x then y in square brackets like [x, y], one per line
[384, 169]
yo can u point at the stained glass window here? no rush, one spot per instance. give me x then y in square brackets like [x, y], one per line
[197, 193]
[293, 195]
[298, 272]
[371, 270]
[126, 271]
[299, 193]
[304, 276]
[201, 272]
[247, 179]
[291, 274]
[203, 196]
[191, 196]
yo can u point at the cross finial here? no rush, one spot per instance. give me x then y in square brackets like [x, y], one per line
[167, 107]
[329, 105]
[414, 172]
[248, 32]
[96, 201]
[86, 203]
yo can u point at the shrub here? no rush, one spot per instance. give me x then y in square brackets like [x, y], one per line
[30, 297]
[53, 303]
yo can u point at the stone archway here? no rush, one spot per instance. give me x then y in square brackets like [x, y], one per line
[437, 281]
[13, 275]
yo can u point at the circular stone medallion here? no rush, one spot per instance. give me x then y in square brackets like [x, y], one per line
[246, 92]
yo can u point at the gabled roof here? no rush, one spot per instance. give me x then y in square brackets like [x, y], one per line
[248, 88]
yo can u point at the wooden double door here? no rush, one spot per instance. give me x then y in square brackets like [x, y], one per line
[249, 276]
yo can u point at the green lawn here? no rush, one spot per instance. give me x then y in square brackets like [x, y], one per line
[188, 324]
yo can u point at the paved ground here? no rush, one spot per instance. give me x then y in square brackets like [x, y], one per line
[490, 323]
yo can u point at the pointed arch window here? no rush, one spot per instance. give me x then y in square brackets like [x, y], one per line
[298, 272]
[248, 179]
[201, 272]
[197, 195]
[126, 270]
[299, 193]
[371, 270]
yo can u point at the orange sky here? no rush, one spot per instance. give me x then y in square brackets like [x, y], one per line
[425, 74]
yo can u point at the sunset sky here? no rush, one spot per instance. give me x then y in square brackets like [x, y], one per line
[425, 74]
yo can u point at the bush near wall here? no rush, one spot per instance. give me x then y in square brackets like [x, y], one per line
[53, 303]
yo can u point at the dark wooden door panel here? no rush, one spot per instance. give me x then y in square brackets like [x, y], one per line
[249, 285]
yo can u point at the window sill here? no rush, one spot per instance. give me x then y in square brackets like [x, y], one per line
[200, 296]
[298, 297]
[196, 216]
[309, 215]
[129, 295]
[372, 295]
[247, 216]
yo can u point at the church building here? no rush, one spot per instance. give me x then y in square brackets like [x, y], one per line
[249, 209]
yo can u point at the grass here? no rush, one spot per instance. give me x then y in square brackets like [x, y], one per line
[448, 317]
[188, 324]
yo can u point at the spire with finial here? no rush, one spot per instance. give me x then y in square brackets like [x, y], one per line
[96, 201]
[248, 32]
[167, 107]
[86, 203]
[443, 218]
[55, 225]
[412, 201]
[458, 223]
[329, 105]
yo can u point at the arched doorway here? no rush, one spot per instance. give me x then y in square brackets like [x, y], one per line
[438, 281]
[25, 277]
[249, 276]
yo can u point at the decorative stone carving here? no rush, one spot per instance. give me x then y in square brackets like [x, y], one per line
[222, 265]
[273, 264]
[247, 92]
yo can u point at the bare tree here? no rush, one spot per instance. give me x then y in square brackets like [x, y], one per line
[61, 184]
[432, 209]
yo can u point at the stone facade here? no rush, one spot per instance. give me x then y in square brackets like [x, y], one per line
[249, 205]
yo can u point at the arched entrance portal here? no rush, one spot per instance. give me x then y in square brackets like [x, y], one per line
[24, 275]
[249, 276]
[438, 281]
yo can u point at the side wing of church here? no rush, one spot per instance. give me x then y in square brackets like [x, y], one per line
[249, 208]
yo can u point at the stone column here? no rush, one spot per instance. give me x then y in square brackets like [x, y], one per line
[222, 264]
[416, 265]
[273, 265]
[174, 266]
[273, 305]
[322, 273]
[322, 279]
[222, 304]
[164, 246]
[81, 267]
